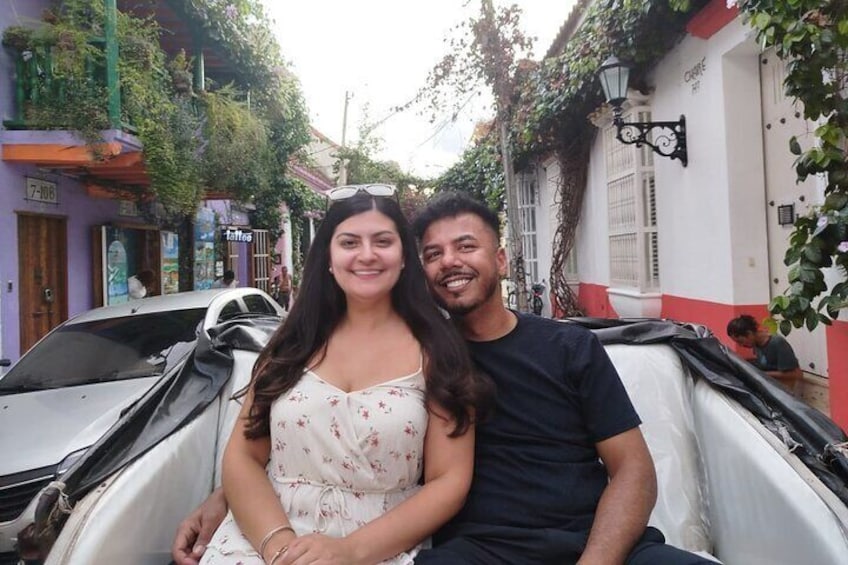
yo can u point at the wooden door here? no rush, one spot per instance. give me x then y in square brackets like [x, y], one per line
[43, 280]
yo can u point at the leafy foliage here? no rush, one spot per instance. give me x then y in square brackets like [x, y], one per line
[243, 151]
[813, 37]
[485, 49]
[479, 172]
[363, 167]
[490, 51]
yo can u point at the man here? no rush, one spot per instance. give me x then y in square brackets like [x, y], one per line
[562, 472]
[140, 284]
[227, 281]
[772, 353]
[285, 288]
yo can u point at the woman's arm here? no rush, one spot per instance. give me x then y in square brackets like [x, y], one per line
[248, 490]
[448, 467]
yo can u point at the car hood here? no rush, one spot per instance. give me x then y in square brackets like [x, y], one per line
[60, 421]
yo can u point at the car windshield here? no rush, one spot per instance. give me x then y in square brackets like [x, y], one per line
[113, 349]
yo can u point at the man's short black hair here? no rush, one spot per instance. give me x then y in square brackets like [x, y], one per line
[229, 275]
[742, 326]
[453, 204]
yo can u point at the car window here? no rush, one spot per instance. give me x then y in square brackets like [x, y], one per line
[257, 304]
[142, 345]
[230, 310]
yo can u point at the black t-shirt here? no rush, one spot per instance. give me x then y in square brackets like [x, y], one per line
[558, 394]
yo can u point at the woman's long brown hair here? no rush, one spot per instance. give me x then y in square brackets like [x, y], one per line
[451, 380]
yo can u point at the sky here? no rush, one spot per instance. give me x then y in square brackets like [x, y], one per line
[380, 51]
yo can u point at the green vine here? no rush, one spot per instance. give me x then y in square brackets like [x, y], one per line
[190, 142]
[813, 37]
[553, 99]
[479, 173]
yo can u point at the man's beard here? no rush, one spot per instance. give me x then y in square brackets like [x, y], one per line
[459, 310]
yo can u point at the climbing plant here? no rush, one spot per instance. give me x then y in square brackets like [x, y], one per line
[191, 142]
[553, 99]
[479, 172]
[812, 37]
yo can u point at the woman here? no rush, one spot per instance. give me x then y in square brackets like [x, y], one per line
[363, 382]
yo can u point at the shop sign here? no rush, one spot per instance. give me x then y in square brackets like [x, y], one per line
[237, 235]
[127, 208]
[41, 191]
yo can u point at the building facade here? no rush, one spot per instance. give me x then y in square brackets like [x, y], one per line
[77, 217]
[704, 242]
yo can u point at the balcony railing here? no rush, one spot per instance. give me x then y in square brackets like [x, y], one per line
[40, 89]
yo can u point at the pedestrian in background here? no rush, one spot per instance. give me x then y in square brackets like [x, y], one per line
[772, 353]
[227, 281]
[284, 288]
[141, 284]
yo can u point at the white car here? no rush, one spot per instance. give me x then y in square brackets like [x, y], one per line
[74, 384]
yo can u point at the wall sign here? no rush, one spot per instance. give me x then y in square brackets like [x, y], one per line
[237, 235]
[693, 76]
[127, 208]
[41, 191]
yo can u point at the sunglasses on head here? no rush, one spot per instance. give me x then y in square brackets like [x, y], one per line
[344, 192]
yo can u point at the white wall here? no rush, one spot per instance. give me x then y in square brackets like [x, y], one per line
[593, 230]
[546, 217]
[712, 213]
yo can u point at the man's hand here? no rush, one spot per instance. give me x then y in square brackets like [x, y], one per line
[195, 531]
[318, 549]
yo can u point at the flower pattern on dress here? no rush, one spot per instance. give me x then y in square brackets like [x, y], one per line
[338, 461]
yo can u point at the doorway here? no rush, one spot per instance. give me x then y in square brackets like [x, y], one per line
[785, 198]
[43, 279]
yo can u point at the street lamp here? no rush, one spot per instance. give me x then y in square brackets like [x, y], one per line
[669, 139]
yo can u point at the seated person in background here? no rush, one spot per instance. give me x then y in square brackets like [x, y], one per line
[141, 284]
[772, 353]
[227, 281]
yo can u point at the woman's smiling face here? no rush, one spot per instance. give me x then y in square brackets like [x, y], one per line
[366, 256]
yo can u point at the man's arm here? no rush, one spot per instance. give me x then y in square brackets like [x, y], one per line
[196, 530]
[788, 370]
[626, 503]
[787, 377]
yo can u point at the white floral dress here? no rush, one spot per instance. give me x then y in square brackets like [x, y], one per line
[338, 460]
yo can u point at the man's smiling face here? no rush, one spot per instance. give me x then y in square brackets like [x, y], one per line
[463, 262]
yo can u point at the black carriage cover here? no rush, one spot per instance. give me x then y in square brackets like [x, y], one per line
[180, 397]
[168, 406]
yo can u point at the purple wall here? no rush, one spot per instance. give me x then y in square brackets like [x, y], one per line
[80, 211]
[229, 215]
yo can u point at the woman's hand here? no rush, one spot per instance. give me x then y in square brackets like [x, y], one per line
[318, 549]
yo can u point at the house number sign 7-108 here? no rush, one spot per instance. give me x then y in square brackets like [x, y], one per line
[41, 191]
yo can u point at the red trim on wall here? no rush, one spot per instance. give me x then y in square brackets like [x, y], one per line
[714, 315]
[711, 18]
[837, 368]
[594, 301]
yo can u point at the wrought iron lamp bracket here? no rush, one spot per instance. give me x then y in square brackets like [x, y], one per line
[669, 139]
